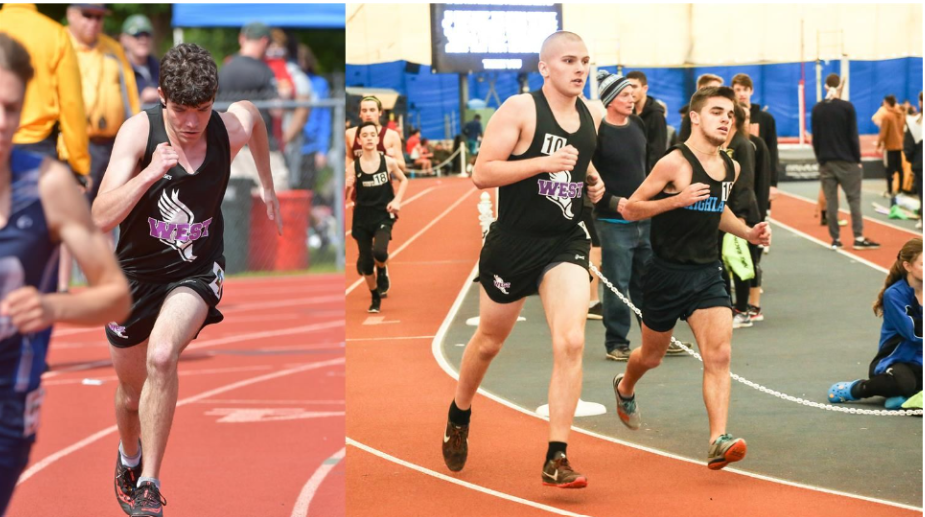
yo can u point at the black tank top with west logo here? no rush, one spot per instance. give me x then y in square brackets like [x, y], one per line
[549, 203]
[358, 147]
[176, 228]
[374, 190]
[688, 235]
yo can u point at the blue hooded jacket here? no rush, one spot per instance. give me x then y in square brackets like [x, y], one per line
[901, 333]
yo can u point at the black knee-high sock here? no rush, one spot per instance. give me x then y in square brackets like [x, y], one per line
[555, 447]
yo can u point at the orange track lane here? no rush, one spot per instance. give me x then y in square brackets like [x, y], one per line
[399, 398]
[261, 407]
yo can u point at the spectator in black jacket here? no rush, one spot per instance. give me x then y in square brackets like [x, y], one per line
[704, 81]
[652, 115]
[838, 151]
[762, 122]
[912, 148]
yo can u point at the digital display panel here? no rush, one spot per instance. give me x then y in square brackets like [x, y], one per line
[483, 37]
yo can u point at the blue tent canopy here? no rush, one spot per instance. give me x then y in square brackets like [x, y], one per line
[303, 16]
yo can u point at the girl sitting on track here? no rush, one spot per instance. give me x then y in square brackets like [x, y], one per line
[896, 371]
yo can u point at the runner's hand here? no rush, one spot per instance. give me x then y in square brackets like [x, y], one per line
[162, 160]
[28, 310]
[562, 160]
[772, 194]
[595, 186]
[269, 197]
[760, 234]
[393, 207]
[693, 193]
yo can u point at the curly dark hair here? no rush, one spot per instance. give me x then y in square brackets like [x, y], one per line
[189, 76]
[14, 58]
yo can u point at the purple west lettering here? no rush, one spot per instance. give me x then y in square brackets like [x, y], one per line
[547, 188]
[195, 231]
[159, 229]
[205, 227]
[183, 232]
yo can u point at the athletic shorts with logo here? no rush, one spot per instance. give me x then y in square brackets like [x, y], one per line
[587, 218]
[674, 291]
[512, 264]
[148, 297]
[366, 222]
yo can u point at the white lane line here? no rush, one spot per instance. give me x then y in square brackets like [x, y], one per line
[843, 211]
[437, 351]
[52, 458]
[308, 491]
[415, 236]
[272, 402]
[841, 251]
[404, 203]
[388, 338]
[465, 484]
[229, 309]
[181, 373]
[215, 342]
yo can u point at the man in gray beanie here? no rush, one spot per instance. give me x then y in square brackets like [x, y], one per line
[620, 159]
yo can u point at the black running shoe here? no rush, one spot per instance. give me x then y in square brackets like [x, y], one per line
[865, 244]
[126, 479]
[148, 501]
[375, 305]
[836, 244]
[455, 446]
[382, 280]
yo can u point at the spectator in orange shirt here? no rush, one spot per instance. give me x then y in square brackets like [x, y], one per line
[890, 141]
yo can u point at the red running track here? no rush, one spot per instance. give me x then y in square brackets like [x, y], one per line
[399, 397]
[259, 427]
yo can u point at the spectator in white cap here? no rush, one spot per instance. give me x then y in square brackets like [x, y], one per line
[138, 40]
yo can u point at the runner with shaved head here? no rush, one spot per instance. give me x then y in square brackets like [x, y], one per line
[537, 149]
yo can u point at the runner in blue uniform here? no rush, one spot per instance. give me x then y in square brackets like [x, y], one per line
[40, 207]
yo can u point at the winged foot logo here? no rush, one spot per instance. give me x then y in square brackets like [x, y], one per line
[177, 230]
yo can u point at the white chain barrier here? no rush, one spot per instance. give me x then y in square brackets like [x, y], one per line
[441, 164]
[763, 389]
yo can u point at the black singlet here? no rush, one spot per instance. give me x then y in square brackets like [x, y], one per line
[549, 203]
[176, 228]
[374, 190]
[689, 235]
[358, 147]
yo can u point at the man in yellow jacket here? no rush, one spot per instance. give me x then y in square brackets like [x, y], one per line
[53, 102]
[108, 83]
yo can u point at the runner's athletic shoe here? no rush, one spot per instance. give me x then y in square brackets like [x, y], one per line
[375, 305]
[626, 409]
[148, 501]
[558, 473]
[126, 479]
[725, 450]
[455, 446]
[382, 280]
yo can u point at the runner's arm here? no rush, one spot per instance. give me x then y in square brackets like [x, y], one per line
[758, 234]
[492, 168]
[395, 170]
[393, 143]
[122, 185]
[245, 127]
[107, 297]
[666, 171]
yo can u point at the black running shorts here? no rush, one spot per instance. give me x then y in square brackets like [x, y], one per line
[366, 222]
[587, 217]
[147, 299]
[672, 291]
[512, 265]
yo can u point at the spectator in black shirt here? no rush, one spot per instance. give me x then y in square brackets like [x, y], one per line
[838, 151]
[762, 122]
[652, 115]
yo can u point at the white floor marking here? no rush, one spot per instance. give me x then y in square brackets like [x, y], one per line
[311, 487]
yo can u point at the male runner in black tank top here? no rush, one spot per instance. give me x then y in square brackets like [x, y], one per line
[389, 141]
[537, 149]
[377, 207]
[164, 187]
[685, 195]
